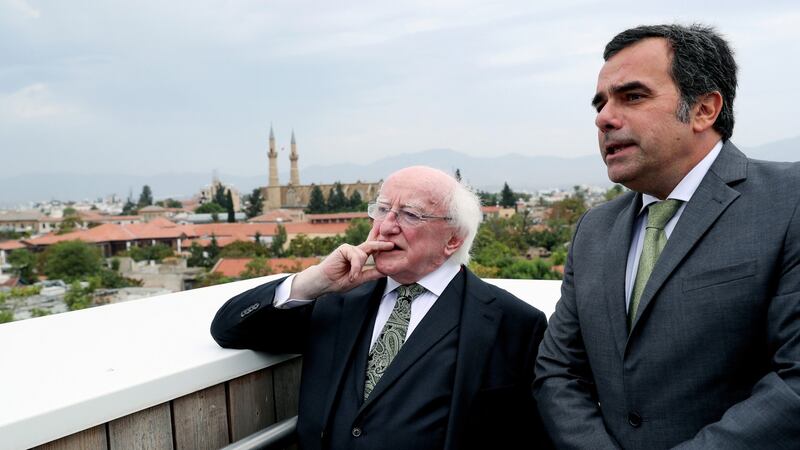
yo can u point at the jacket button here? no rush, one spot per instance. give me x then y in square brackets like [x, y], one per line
[634, 419]
[356, 432]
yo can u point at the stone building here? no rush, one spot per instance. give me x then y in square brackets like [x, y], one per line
[295, 195]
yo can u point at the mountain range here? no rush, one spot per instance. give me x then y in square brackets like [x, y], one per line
[522, 173]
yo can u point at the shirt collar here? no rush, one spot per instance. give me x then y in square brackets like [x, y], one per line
[685, 189]
[435, 282]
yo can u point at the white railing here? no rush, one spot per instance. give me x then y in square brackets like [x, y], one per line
[65, 373]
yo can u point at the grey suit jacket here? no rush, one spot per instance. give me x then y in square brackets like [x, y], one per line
[713, 357]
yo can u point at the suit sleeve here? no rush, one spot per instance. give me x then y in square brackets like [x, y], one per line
[249, 321]
[564, 387]
[770, 416]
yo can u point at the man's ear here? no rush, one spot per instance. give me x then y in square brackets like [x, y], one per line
[706, 111]
[453, 244]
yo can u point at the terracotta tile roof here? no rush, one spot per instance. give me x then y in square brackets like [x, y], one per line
[10, 282]
[21, 216]
[490, 209]
[328, 229]
[91, 216]
[205, 242]
[334, 216]
[235, 229]
[12, 245]
[153, 208]
[163, 222]
[282, 215]
[162, 228]
[233, 267]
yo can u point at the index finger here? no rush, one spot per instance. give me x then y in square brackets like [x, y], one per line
[370, 247]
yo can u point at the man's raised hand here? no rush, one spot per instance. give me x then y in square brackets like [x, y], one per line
[341, 271]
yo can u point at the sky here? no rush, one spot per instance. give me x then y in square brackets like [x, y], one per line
[151, 87]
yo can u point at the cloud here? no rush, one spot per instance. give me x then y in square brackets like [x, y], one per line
[26, 9]
[31, 102]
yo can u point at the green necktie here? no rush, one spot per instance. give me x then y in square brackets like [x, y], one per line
[654, 241]
[392, 336]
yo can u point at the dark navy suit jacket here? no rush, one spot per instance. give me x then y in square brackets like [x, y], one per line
[495, 337]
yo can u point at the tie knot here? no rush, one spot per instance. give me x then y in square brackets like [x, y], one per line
[409, 292]
[659, 213]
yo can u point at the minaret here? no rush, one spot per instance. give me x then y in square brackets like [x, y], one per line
[293, 158]
[273, 191]
[273, 160]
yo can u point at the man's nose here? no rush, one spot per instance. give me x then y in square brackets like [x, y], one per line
[389, 224]
[608, 118]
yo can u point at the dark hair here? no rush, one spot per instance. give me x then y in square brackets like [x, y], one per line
[702, 62]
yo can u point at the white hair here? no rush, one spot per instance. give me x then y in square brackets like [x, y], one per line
[464, 209]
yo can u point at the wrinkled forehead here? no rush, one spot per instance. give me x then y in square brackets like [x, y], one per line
[406, 191]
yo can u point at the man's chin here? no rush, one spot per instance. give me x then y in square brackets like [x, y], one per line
[387, 262]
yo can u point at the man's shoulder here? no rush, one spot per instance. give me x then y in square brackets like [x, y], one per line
[502, 299]
[603, 216]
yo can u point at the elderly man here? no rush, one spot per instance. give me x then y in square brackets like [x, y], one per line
[414, 353]
[679, 320]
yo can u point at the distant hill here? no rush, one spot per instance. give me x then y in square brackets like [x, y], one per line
[783, 150]
[522, 173]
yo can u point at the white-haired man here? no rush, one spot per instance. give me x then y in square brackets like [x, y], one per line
[413, 353]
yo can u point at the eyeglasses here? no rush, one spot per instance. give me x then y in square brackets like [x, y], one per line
[405, 217]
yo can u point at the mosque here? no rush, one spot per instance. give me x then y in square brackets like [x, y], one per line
[295, 195]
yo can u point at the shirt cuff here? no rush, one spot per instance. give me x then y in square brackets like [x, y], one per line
[282, 300]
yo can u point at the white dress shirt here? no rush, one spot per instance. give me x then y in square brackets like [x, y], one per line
[683, 191]
[434, 284]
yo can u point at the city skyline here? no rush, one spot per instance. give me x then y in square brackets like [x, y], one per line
[194, 87]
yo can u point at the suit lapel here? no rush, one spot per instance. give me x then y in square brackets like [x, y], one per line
[617, 248]
[710, 200]
[479, 325]
[355, 313]
[440, 320]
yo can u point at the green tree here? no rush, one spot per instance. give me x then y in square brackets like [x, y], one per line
[507, 197]
[155, 252]
[6, 316]
[229, 207]
[357, 231]
[39, 312]
[316, 203]
[214, 278]
[278, 241]
[209, 208]
[70, 211]
[72, 260]
[220, 196]
[337, 201]
[213, 250]
[255, 204]
[146, 197]
[243, 249]
[301, 246]
[130, 208]
[355, 202]
[79, 297]
[614, 192]
[23, 263]
[169, 203]
[569, 209]
[258, 267]
[325, 245]
[488, 198]
[69, 224]
[535, 269]
[197, 257]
